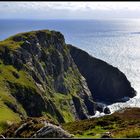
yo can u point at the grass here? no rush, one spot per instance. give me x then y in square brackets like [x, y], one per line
[125, 124]
[68, 116]
[62, 102]
[72, 79]
[12, 45]
[14, 42]
[7, 116]
[131, 132]
[91, 133]
[10, 74]
[7, 75]
[6, 97]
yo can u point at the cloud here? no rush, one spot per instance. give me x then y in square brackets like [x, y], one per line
[72, 5]
[65, 9]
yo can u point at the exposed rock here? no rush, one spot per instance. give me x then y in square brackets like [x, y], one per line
[2, 137]
[100, 107]
[32, 102]
[15, 74]
[36, 128]
[90, 105]
[79, 109]
[106, 83]
[106, 135]
[52, 109]
[52, 131]
[107, 110]
[12, 107]
[20, 129]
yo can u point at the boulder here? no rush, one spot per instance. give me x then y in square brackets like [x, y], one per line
[107, 110]
[52, 131]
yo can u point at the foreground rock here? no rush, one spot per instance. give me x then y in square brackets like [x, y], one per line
[106, 135]
[36, 128]
[2, 137]
[51, 131]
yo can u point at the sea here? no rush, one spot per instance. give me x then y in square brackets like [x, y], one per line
[116, 41]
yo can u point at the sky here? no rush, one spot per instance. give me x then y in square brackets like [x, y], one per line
[69, 10]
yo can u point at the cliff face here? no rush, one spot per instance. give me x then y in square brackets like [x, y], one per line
[41, 75]
[42, 78]
[106, 83]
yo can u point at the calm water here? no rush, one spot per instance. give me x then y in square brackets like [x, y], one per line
[114, 41]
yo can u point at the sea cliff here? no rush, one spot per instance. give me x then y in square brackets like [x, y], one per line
[42, 76]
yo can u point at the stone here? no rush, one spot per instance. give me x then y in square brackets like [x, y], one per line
[1, 136]
[52, 131]
[107, 110]
[106, 135]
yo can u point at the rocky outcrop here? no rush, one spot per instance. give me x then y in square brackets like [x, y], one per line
[107, 110]
[51, 131]
[2, 137]
[79, 108]
[36, 128]
[106, 83]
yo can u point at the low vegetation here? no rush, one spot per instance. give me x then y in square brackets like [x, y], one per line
[122, 124]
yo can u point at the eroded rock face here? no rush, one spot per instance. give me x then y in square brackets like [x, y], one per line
[106, 83]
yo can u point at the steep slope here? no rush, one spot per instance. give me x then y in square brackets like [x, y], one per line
[38, 77]
[106, 83]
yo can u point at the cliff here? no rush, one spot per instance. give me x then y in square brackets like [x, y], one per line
[106, 83]
[40, 75]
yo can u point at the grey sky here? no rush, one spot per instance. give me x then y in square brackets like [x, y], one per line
[69, 10]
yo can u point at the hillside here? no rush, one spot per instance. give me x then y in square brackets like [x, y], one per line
[42, 76]
[122, 124]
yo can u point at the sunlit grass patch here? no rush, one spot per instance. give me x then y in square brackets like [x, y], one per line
[7, 116]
